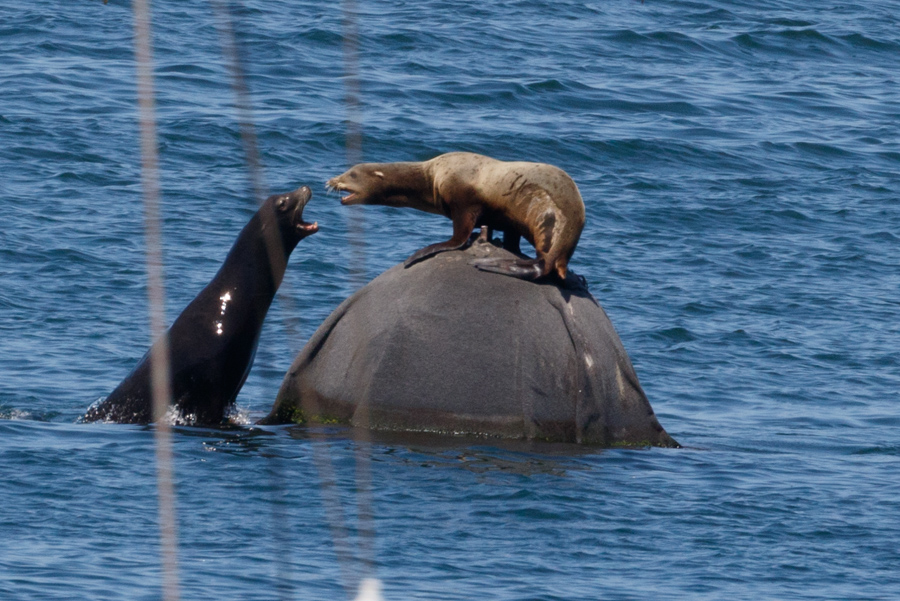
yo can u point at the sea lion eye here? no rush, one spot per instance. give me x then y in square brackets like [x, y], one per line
[280, 203]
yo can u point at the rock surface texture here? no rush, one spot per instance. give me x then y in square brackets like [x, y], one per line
[444, 347]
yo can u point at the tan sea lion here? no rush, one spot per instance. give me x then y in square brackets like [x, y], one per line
[537, 201]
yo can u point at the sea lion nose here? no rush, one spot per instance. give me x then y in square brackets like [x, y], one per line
[302, 194]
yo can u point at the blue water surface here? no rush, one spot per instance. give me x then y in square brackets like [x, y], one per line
[740, 164]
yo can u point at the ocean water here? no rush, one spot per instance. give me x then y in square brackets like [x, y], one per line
[740, 164]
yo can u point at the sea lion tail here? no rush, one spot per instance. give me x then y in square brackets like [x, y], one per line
[524, 269]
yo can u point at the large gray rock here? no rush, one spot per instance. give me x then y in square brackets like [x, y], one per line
[444, 347]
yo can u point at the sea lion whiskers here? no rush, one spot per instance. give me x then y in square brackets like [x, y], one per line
[333, 185]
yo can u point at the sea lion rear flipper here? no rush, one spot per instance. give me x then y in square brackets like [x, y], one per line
[433, 249]
[525, 269]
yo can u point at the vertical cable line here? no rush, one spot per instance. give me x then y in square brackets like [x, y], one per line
[274, 246]
[353, 137]
[241, 96]
[321, 455]
[353, 140]
[357, 232]
[275, 253]
[160, 369]
[159, 362]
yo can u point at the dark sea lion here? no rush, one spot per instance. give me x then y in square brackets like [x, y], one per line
[213, 342]
[536, 201]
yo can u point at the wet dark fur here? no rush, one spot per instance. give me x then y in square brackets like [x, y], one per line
[213, 342]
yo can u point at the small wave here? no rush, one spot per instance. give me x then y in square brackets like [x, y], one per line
[858, 40]
[675, 335]
[699, 308]
[882, 236]
[647, 185]
[554, 85]
[676, 39]
[670, 107]
[754, 254]
[790, 214]
[791, 42]
[746, 40]
[401, 41]
[325, 38]
[782, 22]
[879, 450]
[716, 14]
[804, 34]
[740, 335]
[668, 43]
[822, 149]
[654, 151]
[831, 358]
[187, 69]
[68, 257]
[626, 35]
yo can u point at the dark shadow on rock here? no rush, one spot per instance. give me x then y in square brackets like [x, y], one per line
[444, 347]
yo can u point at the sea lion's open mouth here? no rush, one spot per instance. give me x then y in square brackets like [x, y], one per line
[348, 194]
[304, 194]
[309, 228]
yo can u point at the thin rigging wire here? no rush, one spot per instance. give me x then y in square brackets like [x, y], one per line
[160, 378]
[357, 234]
[274, 246]
[353, 137]
[321, 455]
[241, 98]
[161, 383]
[353, 141]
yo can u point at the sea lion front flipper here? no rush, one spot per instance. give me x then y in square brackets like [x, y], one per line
[463, 224]
[524, 269]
